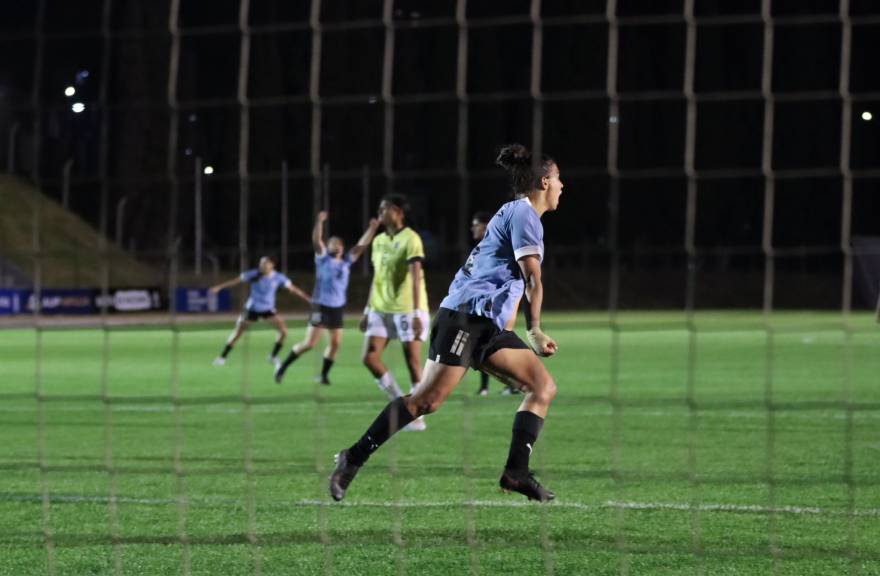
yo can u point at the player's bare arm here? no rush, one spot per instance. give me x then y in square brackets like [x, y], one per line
[542, 344]
[365, 240]
[318, 233]
[223, 285]
[415, 270]
[299, 292]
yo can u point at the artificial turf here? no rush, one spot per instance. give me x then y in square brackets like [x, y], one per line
[727, 446]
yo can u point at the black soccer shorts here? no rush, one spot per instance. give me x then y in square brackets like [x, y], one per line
[459, 339]
[329, 317]
[254, 315]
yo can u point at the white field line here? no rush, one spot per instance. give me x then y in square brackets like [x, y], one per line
[610, 504]
[354, 408]
[415, 504]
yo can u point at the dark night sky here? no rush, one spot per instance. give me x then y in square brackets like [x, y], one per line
[652, 131]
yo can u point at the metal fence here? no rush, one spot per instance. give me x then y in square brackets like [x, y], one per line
[600, 123]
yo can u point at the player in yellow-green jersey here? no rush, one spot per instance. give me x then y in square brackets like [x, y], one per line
[398, 304]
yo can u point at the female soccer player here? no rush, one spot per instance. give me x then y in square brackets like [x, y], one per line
[398, 304]
[332, 270]
[264, 282]
[469, 329]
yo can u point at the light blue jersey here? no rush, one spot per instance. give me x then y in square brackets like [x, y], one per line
[490, 284]
[263, 288]
[331, 280]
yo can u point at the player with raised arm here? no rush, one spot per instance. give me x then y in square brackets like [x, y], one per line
[332, 271]
[398, 301]
[264, 282]
[469, 329]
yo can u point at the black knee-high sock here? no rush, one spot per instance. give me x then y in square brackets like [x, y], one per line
[526, 427]
[276, 349]
[325, 370]
[226, 350]
[394, 417]
[291, 358]
[484, 381]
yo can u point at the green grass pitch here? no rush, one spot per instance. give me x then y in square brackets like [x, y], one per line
[646, 483]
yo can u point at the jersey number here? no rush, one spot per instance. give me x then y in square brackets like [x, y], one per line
[468, 266]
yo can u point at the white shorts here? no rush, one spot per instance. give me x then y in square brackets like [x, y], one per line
[397, 326]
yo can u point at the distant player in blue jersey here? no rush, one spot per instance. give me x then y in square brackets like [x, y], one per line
[479, 224]
[332, 269]
[264, 282]
[469, 329]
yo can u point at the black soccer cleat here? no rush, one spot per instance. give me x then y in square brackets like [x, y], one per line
[342, 475]
[279, 374]
[523, 481]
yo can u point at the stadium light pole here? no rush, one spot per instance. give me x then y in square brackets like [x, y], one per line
[198, 216]
[65, 184]
[318, 191]
[365, 211]
[244, 123]
[284, 192]
[315, 100]
[13, 139]
[461, 157]
[215, 266]
[120, 220]
[325, 196]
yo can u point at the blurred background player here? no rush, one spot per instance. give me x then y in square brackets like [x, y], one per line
[479, 223]
[398, 302]
[469, 329]
[332, 271]
[264, 282]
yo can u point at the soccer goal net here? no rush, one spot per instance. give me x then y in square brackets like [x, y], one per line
[709, 278]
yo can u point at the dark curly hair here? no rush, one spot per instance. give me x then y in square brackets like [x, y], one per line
[525, 174]
[398, 201]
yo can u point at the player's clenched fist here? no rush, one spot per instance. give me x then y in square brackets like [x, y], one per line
[540, 343]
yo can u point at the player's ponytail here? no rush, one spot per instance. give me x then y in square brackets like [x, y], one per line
[513, 157]
[525, 175]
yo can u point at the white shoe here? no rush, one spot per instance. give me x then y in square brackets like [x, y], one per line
[510, 392]
[417, 425]
[219, 361]
[483, 392]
